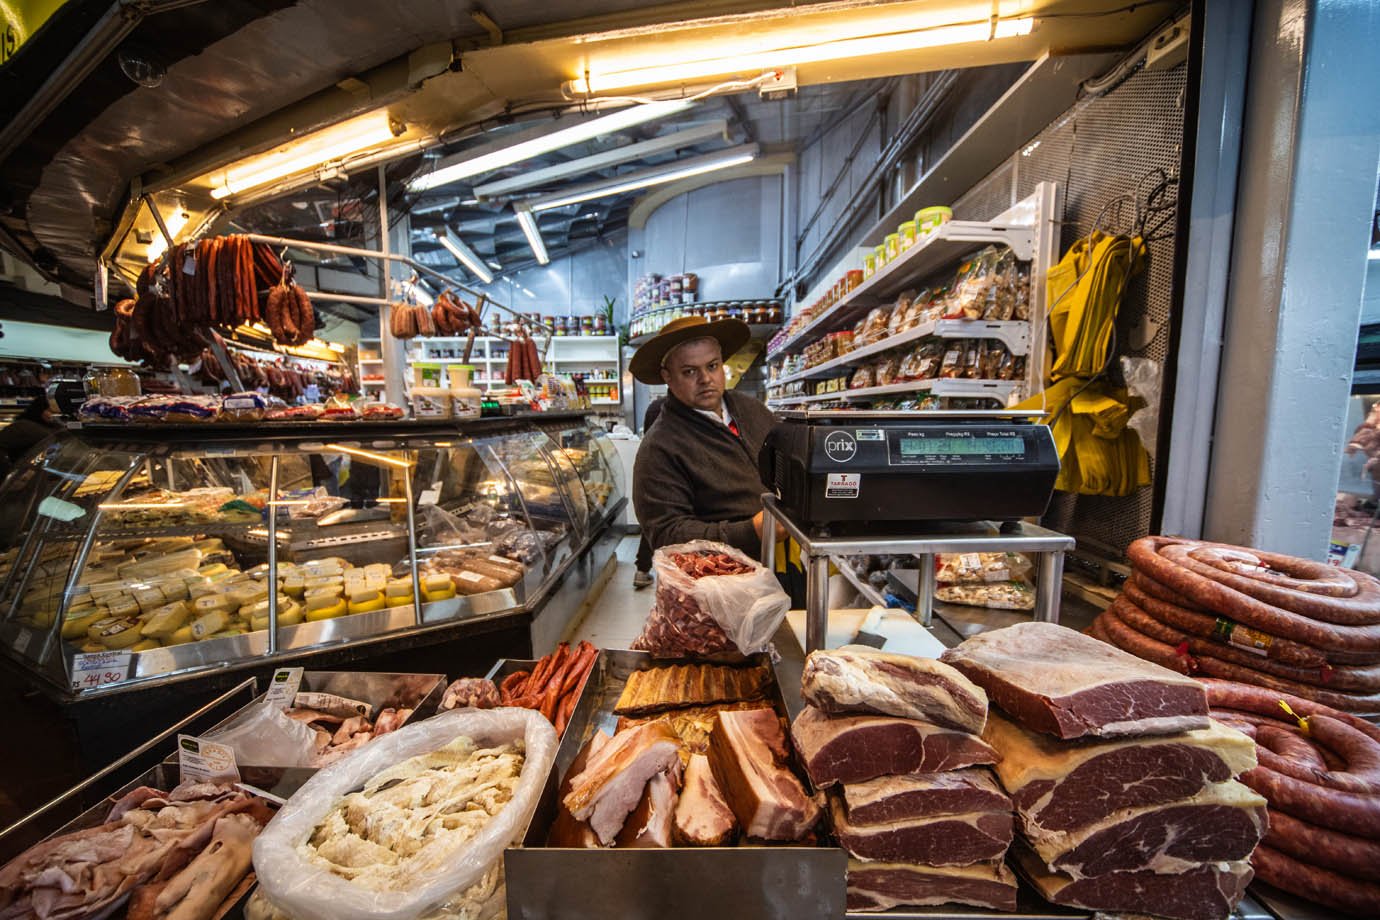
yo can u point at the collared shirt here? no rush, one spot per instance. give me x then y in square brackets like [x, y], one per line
[722, 416]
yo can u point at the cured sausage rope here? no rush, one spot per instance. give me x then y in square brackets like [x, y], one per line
[1310, 619]
[1324, 837]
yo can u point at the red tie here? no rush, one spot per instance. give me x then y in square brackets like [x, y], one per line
[733, 427]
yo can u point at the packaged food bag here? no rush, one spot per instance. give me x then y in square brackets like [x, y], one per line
[465, 883]
[1000, 581]
[711, 598]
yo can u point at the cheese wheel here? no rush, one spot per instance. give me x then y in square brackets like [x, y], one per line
[166, 620]
[289, 614]
[335, 609]
[367, 602]
[438, 588]
[208, 625]
[114, 632]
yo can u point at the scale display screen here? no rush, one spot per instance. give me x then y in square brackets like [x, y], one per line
[929, 446]
[985, 446]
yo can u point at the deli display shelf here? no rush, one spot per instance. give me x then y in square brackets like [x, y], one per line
[1000, 390]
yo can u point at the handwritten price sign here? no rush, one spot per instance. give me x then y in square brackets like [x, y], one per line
[96, 669]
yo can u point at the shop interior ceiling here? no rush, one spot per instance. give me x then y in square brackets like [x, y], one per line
[82, 143]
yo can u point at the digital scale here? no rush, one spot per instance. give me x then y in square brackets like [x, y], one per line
[854, 467]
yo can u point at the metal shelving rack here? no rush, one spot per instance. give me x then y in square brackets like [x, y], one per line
[1030, 228]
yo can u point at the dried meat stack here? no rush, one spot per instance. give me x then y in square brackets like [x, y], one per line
[1124, 788]
[894, 740]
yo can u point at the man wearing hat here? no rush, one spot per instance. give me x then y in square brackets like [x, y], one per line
[696, 474]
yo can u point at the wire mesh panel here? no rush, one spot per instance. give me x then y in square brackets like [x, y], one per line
[1101, 149]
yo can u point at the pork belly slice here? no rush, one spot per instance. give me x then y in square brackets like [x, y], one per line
[609, 787]
[854, 749]
[1061, 787]
[884, 885]
[1223, 823]
[924, 795]
[1052, 679]
[565, 830]
[652, 822]
[947, 840]
[1208, 892]
[703, 818]
[860, 679]
[750, 762]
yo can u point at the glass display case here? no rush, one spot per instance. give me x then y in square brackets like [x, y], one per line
[151, 554]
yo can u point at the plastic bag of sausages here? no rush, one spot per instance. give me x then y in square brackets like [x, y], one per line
[710, 599]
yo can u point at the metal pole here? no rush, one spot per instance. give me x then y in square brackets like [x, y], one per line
[1051, 586]
[816, 600]
[768, 543]
[232, 375]
[924, 601]
[158, 219]
[412, 547]
[273, 555]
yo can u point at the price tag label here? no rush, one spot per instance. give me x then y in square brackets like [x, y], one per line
[96, 669]
[21, 641]
[204, 761]
[282, 689]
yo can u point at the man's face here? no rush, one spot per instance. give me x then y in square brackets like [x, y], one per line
[694, 373]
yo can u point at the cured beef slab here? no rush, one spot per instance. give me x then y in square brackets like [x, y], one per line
[749, 759]
[1052, 679]
[924, 795]
[948, 840]
[1061, 787]
[1207, 893]
[854, 749]
[860, 679]
[883, 885]
[1223, 823]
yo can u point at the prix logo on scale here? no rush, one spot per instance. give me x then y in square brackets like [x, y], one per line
[840, 447]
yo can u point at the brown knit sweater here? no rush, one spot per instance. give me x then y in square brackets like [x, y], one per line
[695, 481]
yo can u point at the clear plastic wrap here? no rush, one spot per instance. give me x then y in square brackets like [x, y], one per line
[463, 884]
[264, 736]
[873, 327]
[711, 613]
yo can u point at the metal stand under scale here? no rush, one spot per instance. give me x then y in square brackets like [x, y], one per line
[817, 550]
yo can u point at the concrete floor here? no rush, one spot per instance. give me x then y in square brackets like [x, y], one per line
[613, 618]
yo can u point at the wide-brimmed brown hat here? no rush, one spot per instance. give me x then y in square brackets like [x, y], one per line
[645, 365]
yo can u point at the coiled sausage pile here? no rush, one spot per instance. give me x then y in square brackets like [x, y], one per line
[1289, 624]
[1321, 775]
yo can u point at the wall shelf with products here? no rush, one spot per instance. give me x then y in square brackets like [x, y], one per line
[985, 298]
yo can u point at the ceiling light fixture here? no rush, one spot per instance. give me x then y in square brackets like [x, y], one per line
[472, 165]
[310, 151]
[786, 54]
[464, 255]
[625, 154]
[658, 175]
[528, 221]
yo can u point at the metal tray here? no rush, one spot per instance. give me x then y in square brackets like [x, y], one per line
[797, 882]
[372, 687]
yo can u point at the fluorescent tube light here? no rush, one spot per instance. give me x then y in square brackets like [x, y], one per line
[528, 222]
[308, 152]
[174, 222]
[625, 154]
[464, 255]
[545, 143]
[658, 175]
[600, 80]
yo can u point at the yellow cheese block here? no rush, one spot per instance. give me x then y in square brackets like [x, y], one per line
[325, 608]
[214, 603]
[334, 591]
[214, 570]
[438, 588]
[294, 585]
[227, 633]
[166, 620]
[75, 625]
[88, 646]
[145, 645]
[208, 625]
[248, 595]
[289, 614]
[180, 637]
[329, 581]
[114, 632]
[367, 602]
[398, 593]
